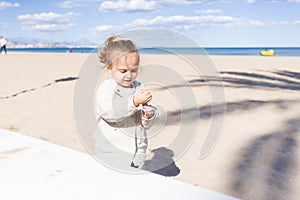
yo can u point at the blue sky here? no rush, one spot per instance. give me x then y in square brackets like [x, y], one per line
[211, 23]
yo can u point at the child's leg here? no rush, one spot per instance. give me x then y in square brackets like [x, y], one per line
[141, 148]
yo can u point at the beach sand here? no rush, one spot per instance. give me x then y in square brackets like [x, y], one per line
[257, 152]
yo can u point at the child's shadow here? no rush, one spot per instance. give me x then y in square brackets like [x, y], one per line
[162, 162]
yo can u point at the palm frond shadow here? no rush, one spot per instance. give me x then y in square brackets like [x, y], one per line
[207, 111]
[265, 168]
[284, 80]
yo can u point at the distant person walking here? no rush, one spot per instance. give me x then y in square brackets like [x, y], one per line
[3, 44]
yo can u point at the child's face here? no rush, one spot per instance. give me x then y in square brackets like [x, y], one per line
[125, 69]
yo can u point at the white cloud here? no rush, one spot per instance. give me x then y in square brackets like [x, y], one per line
[132, 5]
[103, 28]
[47, 17]
[51, 27]
[128, 5]
[271, 1]
[270, 23]
[183, 2]
[284, 23]
[173, 22]
[250, 1]
[69, 4]
[180, 22]
[296, 22]
[77, 3]
[191, 2]
[5, 4]
[143, 5]
[47, 21]
[210, 19]
[257, 23]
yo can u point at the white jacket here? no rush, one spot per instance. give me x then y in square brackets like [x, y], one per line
[2, 42]
[121, 138]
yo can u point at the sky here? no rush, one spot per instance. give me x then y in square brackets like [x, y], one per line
[210, 23]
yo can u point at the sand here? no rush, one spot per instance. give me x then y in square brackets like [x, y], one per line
[257, 152]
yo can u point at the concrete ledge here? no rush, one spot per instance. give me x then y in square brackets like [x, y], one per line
[35, 169]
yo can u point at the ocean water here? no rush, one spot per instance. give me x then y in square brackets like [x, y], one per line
[279, 51]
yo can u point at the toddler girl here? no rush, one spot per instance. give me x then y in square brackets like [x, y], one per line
[123, 107]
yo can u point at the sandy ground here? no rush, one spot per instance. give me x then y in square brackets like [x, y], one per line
[251, 116]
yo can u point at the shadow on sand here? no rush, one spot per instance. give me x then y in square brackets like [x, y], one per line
[266, 167]
[47, 85]
[162, 162]
[277, 80]
[284, 80]
[207, 111]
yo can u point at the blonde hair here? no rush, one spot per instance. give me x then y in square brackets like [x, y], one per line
[115, 47]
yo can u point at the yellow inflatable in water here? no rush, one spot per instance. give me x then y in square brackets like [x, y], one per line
[267, 52]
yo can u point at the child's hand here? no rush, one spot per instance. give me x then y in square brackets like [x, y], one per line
[148, 112]
[142, 97]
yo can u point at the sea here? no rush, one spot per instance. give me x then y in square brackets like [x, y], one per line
[248, 51]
